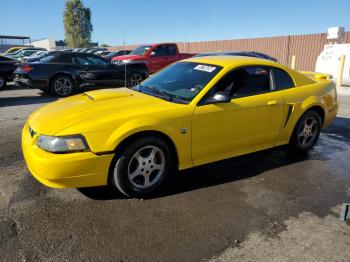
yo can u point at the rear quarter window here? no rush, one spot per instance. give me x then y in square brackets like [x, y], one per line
[282, 79]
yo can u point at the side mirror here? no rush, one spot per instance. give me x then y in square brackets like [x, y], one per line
[218, 97]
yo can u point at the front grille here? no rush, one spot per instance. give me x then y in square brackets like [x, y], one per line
[31, 132]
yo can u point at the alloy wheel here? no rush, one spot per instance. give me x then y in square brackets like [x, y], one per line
[307, 132]
[135, 79]
[146, 167]
[63, 86]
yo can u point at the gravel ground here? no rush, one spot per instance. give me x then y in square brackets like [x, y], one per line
[267, 206]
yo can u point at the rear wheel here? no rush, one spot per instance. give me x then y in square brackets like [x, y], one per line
[306, 132]
[2, 82]
[142, 167]
[135, 79]
[61, 86]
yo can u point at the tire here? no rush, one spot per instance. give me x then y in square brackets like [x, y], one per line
[134, 79]
[136, 173]
[3, 82]
[306, 132]
[62, 86]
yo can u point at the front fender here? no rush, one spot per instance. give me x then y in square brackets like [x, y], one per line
[132, 127]
[171, 129]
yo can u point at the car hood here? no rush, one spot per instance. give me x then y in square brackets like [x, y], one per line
[128, 57]
[92, 108]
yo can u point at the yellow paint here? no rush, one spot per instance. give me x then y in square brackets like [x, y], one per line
[216, 131]
[340, 70]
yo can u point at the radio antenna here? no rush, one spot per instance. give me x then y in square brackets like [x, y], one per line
[125, 84]
[124, 69]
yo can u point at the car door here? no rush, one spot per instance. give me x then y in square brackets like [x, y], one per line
[171, 54]
[95, 70]
[162, 56]
[251, 121]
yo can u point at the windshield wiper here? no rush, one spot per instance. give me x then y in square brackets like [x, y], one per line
[160, 93]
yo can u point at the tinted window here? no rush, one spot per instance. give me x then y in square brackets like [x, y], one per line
[165, 50]
[95, 60]
[246, 81]
[88, 60]
[171, 50]
[282, 80]
[80, 61]
[63, 58]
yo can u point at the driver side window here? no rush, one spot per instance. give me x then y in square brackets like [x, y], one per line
[245, 81]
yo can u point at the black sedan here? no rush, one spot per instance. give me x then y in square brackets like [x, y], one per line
[7, 67]
[63, 72]
[239, 53]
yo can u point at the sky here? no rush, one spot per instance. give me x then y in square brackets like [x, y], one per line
[140, 21]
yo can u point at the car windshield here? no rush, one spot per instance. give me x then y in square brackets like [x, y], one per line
[141, 50]
[180, 82]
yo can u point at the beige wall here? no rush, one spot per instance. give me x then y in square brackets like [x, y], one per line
[306, 48]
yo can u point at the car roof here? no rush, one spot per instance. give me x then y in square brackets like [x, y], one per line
[231, 61]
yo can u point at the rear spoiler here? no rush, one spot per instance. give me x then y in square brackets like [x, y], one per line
[317, 76]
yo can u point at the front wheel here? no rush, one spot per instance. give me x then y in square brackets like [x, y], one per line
[142, 167]
[61, 86]
[134, 79]
[306, 132]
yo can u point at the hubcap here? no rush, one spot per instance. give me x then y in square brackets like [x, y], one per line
[135, 79]
[2, 81]
[146, 167]
[307, 132]
[63, 86]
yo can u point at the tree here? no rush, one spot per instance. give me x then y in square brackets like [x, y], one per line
[77, 24]
[105, 45]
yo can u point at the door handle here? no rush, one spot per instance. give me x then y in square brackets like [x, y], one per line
[272, 102]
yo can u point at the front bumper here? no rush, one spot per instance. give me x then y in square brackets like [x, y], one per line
[83, 169]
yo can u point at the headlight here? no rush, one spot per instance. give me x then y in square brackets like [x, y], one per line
[126, 61]
[62, 144]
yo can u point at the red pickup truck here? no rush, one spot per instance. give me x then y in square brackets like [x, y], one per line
[156, 56]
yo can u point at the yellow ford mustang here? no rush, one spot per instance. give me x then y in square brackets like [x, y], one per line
[193, 112]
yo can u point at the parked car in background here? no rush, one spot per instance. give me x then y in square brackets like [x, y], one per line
[239, 53]
[26, 48]
[22, 54]
[97, 49]
[11, 50]
[83, 50]
[7, 67]
[156, 56]
[67, 50]
[61, 73]
[110, 55]
[39, 55]
[194, 112]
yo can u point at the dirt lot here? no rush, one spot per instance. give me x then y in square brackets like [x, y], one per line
[268, 206]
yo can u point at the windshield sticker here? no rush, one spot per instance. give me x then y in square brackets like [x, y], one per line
[205, 68]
